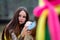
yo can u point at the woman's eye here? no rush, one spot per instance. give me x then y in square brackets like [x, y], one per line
[24, 16]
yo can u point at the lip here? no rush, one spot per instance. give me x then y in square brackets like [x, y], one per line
[20, 21]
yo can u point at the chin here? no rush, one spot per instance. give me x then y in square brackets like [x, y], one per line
[21, 23]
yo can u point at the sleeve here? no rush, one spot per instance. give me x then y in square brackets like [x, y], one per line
[13, 36]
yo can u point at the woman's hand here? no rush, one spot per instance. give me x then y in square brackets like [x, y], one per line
[25, 31]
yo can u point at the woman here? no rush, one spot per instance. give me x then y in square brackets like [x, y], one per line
[16, 29]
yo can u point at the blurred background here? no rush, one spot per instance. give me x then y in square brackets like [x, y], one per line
[8, 7]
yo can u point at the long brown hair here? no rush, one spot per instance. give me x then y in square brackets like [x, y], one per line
[14, 22]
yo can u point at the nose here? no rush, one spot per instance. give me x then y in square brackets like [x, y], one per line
[21, 18]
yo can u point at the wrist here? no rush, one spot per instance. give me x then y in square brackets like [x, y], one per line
[22, 35]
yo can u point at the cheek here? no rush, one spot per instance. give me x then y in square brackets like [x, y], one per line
[24, 19]
[18, 18]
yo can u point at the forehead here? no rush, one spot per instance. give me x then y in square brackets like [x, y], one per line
[22, 13]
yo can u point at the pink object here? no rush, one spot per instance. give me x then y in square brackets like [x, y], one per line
[53, 23]
[53, 2]
[37, 11]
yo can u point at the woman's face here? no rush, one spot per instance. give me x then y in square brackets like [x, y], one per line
[22, 17]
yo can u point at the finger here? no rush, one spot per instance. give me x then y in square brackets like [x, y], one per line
[29, 32]
[25, 28]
